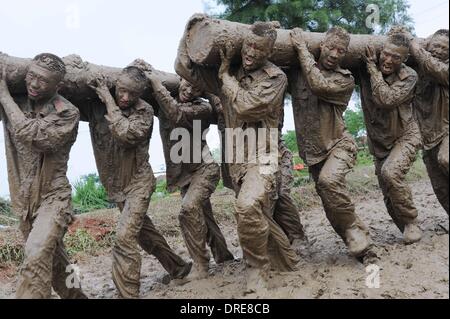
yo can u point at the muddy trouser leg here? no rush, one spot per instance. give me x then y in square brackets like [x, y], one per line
[253, 228]
[391, 173]
[126, 266]
[46, 232]
[436, 161]
[329, 177]
[286, 213]
[263, 242]
[155, 244]
[61, 273]
[215, 239]
[192, 215]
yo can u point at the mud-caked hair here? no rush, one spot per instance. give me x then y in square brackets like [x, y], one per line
[137, 75]
[266, 30]
[339, 32]
[399, 40]
[441, 32]
[51, 62]
[397, 36]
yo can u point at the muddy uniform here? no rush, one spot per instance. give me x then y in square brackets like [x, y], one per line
[320, 98]
[286, 213]
[197, 178]
[121, 143]
[393, 136]
[254, 101]
[37, 152]
[431, 109]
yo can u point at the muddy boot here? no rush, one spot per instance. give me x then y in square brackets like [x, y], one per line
[184, 271]
[199, 271]
[301, 246]
[357, 241]
[412, 234]
[370, 256]
[257, 281]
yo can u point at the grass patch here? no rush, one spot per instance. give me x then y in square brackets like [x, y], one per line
[11, 253]
[89, 195]
[7, 217]
[161, 190]
[82, 242]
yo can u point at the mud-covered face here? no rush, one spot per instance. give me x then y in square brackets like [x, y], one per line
[128, 92]
[333, 51]
[255, 52]
[41, 83]
[438, 47]
[392, 57]
[188, 92]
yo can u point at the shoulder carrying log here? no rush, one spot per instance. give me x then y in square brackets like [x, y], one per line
[205, 37]
[79, 73]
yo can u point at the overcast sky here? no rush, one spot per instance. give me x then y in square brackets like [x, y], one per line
[114, 33]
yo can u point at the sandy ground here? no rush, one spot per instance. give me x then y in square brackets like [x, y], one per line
[325, 269]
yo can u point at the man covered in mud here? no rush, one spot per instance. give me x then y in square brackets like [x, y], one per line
[40, 130]
[387, 92]
[252, 95]
[121, 131]
[286, 213]
[431, 109]
[321, 91]
[196, 175]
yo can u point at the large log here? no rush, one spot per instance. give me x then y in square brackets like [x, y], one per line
[205, 38]
[79, 74]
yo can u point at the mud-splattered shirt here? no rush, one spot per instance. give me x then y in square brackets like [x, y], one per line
[255, 100]
[177, 115]
[431, 102]
[387, 107]
[319, 98]
[37, 153]
[121, 148]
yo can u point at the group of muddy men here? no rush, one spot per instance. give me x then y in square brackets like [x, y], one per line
[405, 111]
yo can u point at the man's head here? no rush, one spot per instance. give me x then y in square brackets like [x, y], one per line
[44, 76]
[395, 52]
[130, 86]
[438, 45]
[188, 92]
[333, 48]
[258, 45]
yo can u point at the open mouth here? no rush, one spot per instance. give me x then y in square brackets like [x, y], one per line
[184, 98]
[33, 93]
[387, 68]
[248, 61]
[331, 63]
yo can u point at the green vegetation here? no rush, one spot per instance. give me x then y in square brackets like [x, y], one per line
[317, 15]
[7, 217]
[290, 139]
[354, 120]
[82, 242]
[11, 253]
[89, 194]
[161, 190]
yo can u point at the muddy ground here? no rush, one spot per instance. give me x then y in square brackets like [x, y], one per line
[325, 269]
